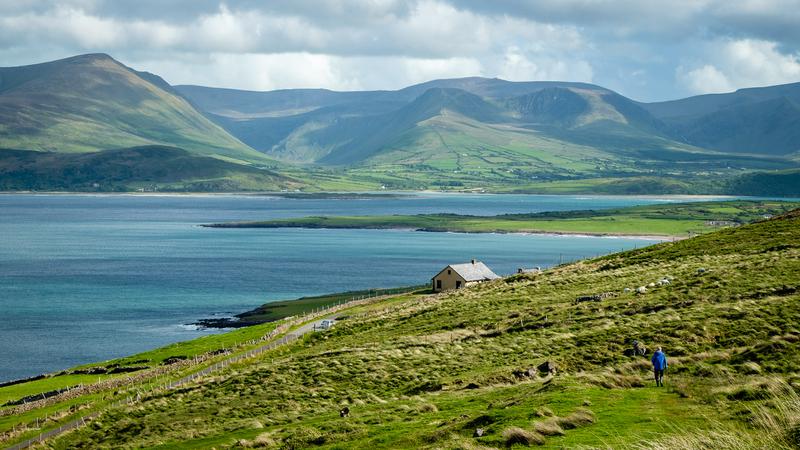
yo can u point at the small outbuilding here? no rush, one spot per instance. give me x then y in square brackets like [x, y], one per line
[457, 276]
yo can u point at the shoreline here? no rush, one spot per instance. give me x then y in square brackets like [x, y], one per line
[585, 234]
[379, 194]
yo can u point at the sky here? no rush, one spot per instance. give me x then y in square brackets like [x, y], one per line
[646, 50]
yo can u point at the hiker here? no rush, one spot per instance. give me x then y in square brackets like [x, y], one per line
[659, 361]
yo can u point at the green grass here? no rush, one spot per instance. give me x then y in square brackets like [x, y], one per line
[665, 220]
[278, 310]
[231, 341]
[95, 103]
[130, 169]
[426, 371]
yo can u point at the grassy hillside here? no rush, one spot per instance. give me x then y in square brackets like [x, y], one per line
[272, 311]
[92, 102]
[444, 132]
[754, 120]
[771, 126]
[373, 130]
[430, 371]
[776, 183]
[149, 167]
[454, 134]
[665, 220]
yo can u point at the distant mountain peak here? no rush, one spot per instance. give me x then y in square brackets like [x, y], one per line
[93, 102]
[552, 105]
[94, 57]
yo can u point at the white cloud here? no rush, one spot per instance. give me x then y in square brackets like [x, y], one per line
[755, 62]
[520, 66]
[705, 80]
[741, 63]
[416, 70]
[256, 71]
[341, 44]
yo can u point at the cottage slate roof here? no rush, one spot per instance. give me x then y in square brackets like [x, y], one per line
[476, 271]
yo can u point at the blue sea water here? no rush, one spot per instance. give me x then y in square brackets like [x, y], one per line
[92, 277]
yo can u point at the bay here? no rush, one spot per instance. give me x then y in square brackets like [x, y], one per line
[91, 277]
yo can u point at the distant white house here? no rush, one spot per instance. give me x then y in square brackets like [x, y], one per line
[457, 276]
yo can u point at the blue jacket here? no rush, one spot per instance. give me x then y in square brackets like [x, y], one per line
[659, 360]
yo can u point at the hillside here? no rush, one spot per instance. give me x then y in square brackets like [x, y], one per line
[479, 132]
[535, 359]
[139, 168]
[352, 128]
[761, 120]
[92, 102]
[457, 134]
[776, 183]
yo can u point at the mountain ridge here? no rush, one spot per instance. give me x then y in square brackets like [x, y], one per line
[579, 114]
[93, 102]
[458, 133]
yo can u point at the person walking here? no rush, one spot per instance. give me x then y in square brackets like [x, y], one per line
[659, 361]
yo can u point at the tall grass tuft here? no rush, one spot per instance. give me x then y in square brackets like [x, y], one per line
[578, 418]
[777, 427]
[548, 427]
[517, 435]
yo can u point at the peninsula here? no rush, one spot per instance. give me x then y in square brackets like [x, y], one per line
[674, 220]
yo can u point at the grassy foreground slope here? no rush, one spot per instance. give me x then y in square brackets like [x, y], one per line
[428, 372]
[665, 220]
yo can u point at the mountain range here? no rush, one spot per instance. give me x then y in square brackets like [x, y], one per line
[459, 133]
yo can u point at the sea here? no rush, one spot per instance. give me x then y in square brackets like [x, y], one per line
[88, 278]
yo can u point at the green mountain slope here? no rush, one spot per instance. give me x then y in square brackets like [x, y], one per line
[762, 120]
[514, 132]
[701, 105]
[362, 138]
[785, 183]
[92, 102]
[467, 122]
[464, 133]
[771, 126]
[532, 359]
[148, 168]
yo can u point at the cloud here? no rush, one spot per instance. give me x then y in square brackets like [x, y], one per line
[428, 30]
[248, 71]
[773, 20]
[705, 80]
[741, 63]
[757, 62]
[519, 66]
[629, 45]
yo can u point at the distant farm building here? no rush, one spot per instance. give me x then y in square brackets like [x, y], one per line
[457, 276]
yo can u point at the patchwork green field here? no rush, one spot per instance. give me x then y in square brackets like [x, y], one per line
[535, 359]
[682, 219]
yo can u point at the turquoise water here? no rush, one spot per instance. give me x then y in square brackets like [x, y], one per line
[86, 278]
